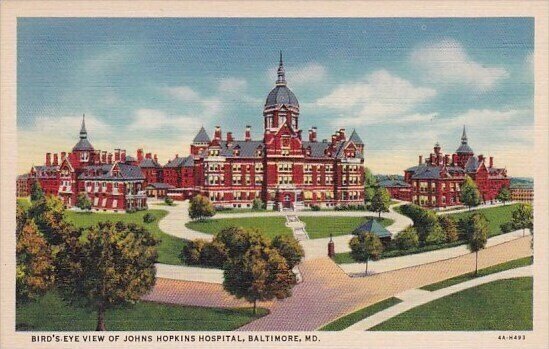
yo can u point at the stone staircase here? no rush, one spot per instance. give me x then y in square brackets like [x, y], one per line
[297, 226]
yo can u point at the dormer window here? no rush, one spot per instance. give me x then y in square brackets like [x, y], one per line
[84, 156]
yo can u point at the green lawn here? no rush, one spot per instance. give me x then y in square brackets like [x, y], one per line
[163, 204]
[321, 227]
[169, 248]
[348, 320]
[496, 216]
[269, 226]
[50, 313]
[521, 262]
[503, 305]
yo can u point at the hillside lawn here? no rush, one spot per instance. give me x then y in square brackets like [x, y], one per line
[268, 226]
[321, 226]
[516, 263]
[502, 305]
[50, 313]
[352, 318]
[169, 248]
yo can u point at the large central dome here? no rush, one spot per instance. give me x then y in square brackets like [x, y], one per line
[281, 94]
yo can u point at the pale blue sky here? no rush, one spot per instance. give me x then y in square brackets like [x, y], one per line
[402, 83]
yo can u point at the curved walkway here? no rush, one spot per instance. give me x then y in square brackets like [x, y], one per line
[417, 297]
[174, 222]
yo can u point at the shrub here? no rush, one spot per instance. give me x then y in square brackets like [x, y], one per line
[435, 237]
[168, 201]
[289, 248]
[148, 218]
[213, 254]
[257, 205]
[131, 210]
[407, 239]
[449, 227]
[507, 227]
[315, 208]
[192, 251]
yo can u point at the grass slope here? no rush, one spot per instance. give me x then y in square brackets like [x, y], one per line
[350, 319]
[503, 305]
[50, 313]
[321, 227]
[517, 263]
[269, 226]
[169, 248]
[496, 216]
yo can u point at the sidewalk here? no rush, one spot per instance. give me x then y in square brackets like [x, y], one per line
[416, 297]
[186, 273]
[395, 263]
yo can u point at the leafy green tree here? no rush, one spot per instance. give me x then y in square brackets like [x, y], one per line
[238, 240]
[192, 251]
[34, 260]
[449, 227]
[36, 192]
[366, 246]
[370, 184]
[477, 235]
[48, 214]
[260, 274]
[380, 201]
[168, 201]
[289, 248]
[504, 195]
[436, 236]
[83, 202]
[201, 207]
[523, 218]
[407, 239]
[426, 224]
[112, 267]
[470, 195]
[213, 254]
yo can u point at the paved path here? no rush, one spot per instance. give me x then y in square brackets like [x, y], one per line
[174, 222]
[417, 297]
[395, 263]
[297, 226]
[327, 293]
[183, 272]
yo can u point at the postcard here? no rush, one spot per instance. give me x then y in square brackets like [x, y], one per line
[274, 174]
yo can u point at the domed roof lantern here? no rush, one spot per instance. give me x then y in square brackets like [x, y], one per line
[281, 81]
[464, 148]
[281, 95]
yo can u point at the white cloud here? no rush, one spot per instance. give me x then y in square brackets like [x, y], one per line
[447, 62]
[151, 119]
[231, 85]
[183, 93]
[380, 97]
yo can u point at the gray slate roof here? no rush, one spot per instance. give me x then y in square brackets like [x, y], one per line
[281, 95]
[128, 172]
[373, 226]
[472, 164]
[355, 138]
[181, 162]
[160, 186]
[317, 148]
[427, 172]
[464, 149]
[394, 183]
[83, 144]
[248, 149]
[202, 136]
[149, 163]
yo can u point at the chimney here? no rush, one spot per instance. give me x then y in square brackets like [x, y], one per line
[55, 159]
[104, 157]
[432, 158]
[48, 159]
[217, 133]
[109, 158]
[63, 155]
[176, 156]
[420, 159]
[480, 158]
[334, 138]
[342, 133]
[229, 137]
[148, 156]
[447, 159]
[314, 133]
[491, 161]
[123, 156]
[117, 155]
[139, 154]
[248, 133]
[155, 158]
[454, 159]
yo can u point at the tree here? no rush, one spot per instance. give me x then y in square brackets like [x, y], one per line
[113, 266]
[213, 254]
[257, 204]
[238, 240]
[48, 214]
[504, 195]
[83, 202]
[365, 246]
[201, 207]
[260, 274]
[426, 224]
[470, 194]
[168, 201]
[34, 260]
[380, 201]
[436, 236]
[289, 248]
[449, 227]
[192, 250]
[36, 192]
[407, 239]
[477, 235]
[523, 217]
[370, 184]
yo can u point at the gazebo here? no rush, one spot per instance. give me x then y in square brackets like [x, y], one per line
[373, 226]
